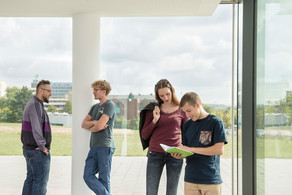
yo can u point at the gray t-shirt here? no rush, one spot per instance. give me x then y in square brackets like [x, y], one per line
[103, 138]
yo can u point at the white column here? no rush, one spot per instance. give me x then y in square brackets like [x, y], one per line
[86, 36]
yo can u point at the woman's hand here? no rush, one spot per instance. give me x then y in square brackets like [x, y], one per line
[156, 114]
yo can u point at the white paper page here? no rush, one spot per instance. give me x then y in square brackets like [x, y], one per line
[165, 147]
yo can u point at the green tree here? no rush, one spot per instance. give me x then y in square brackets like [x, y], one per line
[270, 109]
[52, 108]
[133, 123]
[3, 109]
[289, 107]
[209, 109]
[3, 102]
[131, 96]
[11, 91]
[121, 122]
[136, 122]
[282, 106]
[118, 123]
[4, 112]
[275, 108]
[225, 115]
[68, 107]
[17, 104]
[260, 117]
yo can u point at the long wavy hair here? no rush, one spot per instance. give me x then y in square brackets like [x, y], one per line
[163, 83]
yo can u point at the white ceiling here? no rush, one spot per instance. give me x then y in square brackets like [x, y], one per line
[67, 8]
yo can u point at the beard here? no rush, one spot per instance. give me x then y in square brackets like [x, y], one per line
[46, 99]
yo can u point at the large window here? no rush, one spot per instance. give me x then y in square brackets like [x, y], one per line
[193, 53]
[274, 98]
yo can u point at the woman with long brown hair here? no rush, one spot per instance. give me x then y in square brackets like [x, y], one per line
[163, 125]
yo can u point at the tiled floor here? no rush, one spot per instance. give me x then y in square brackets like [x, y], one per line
[128, 176]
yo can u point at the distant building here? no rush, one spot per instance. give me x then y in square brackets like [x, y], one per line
[34, 83]
[3, 87]
[59, 89]
[69, 97]
[130, 107]
[125, 107]
[59, 103]
[276, 119]
[60, 119]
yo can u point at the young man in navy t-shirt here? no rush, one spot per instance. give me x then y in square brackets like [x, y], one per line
[203, 135]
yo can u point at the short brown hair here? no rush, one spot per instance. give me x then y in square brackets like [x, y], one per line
[164, 83]
[102, 84]
[191, 98]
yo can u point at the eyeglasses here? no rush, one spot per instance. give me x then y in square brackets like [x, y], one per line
[47, 90]
[95, 90]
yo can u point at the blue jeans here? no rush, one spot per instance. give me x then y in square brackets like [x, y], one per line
[99, 160]
[155, 164]
[37, 176]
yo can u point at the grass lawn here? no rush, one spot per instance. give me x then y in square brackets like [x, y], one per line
[10, 144]
[278, 147]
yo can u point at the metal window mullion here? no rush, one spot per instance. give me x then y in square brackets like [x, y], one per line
[248, 98]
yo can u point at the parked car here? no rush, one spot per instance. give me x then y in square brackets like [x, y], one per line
[260, 132]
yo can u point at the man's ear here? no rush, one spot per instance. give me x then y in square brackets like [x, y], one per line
[198, 105]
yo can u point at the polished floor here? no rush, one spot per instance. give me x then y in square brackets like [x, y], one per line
[128, 176]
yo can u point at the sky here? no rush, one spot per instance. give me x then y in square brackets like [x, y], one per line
[193, 53]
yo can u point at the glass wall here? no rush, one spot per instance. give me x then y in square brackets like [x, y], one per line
[193, 53]
[274, 97]
[33, 49]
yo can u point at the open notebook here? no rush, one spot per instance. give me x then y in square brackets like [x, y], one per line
[171, 149]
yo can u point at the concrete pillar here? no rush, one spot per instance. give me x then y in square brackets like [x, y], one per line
[86, 46]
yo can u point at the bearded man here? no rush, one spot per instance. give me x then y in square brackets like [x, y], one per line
[36, 138]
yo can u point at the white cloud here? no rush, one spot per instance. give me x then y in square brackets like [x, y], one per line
[193, 53]
[185, 62]
[224, 44]
[178, 39]
[32, 46]
[8, 28]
